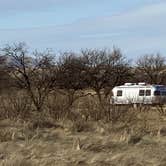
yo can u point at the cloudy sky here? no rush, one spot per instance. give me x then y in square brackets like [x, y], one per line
[135, 26]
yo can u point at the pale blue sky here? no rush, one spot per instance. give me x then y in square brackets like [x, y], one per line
[135, 26]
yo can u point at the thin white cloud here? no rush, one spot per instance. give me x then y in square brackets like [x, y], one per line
[142, 17]
[140, 30]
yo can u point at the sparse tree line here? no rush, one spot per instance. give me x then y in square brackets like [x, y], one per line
[41, 76]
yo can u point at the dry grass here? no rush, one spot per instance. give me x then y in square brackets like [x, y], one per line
[80, 143]
[88, 135]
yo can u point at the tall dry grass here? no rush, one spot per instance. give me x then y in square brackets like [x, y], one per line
[83, 111]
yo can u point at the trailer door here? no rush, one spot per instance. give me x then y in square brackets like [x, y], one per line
[131, 95]
[145, 96]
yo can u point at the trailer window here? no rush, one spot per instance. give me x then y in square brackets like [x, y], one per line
[157, 93]
[119, 93]
[141, 92]
[148, 92]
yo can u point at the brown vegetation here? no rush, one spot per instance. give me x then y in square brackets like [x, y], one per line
[57, 111]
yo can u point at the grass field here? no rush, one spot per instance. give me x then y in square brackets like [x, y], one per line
[93, 143]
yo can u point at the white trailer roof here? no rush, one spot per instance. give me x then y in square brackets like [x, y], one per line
[140, 85]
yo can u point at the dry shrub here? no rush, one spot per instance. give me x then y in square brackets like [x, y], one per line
[132, 161]
[162, 131]
[103, 144]
[56, 105]
[41, 120]
[117, 113]
[130, 116]
[161, 109]
[5, 135]
[59, 107]
[80, 162]
[139, 120]
[90, 109]
[42, 124]
[146, 121]
[134, 139]
[81, 126]
[17, 161]
[15, 106]
[142, 107]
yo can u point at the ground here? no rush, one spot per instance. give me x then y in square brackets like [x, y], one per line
[97, 145]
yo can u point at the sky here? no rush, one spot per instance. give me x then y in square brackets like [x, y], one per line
[137, 27]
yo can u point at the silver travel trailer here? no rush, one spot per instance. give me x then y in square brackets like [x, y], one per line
[141, 93]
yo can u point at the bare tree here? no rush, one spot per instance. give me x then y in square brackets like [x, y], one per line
[2, 61]
[35, 74]
[105, 69]
[5, 80]
[152, 68]
[70, 76]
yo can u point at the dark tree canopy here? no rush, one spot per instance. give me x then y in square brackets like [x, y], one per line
[35, 75]
[152, 68]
